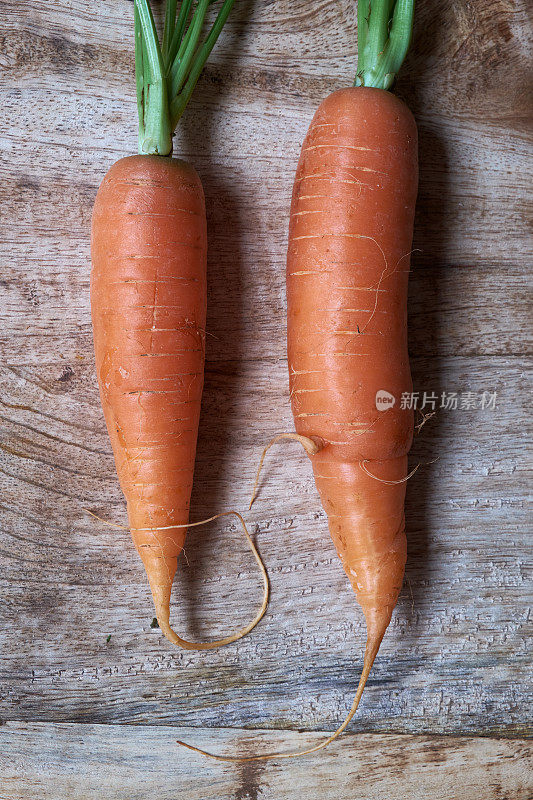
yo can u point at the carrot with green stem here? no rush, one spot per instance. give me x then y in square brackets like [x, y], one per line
[148, 301]
[350, 235]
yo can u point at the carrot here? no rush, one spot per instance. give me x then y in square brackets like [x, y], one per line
[350, 235]
[148, 299]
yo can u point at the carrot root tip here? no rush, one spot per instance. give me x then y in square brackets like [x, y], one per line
[161, 582]
[371, 650]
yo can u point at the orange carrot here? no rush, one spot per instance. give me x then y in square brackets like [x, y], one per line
[148, 298]
[350, 235]
[350, 238]
[348, 263]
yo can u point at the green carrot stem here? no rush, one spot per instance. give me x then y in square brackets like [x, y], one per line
[182, 63]
[378, 23]
[178, 104]
[179, 29]
[139, 70]
[155, 135]
[384, 29]
[168, 31]
[166, 74]
[363, 13]
[172, 69]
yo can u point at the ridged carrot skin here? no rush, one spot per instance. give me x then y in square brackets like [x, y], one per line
[148, 300]
[349, 249]
[350, 233]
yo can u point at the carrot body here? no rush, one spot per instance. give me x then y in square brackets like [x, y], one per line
[148, 299]
[350, 238]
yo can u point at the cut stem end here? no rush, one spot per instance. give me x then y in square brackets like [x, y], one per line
[167, 74]
[384, 29]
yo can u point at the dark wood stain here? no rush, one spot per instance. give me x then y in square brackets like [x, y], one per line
[25, 51]
[250, 780]
[66, 375]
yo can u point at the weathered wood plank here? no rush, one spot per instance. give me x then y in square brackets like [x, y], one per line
[454, 660]
[456, 657]
[83, 762]
[66, 102]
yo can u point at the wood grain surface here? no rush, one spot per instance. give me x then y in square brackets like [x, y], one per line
[76, 641]
[87, 762]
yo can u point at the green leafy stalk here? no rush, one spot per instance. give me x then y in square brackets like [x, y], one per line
[178, 104]
[363, 14]
[139, 69]
[155, 135]
[167, 74]
[384, 29]
[179, 30]
[182, 63]
[170, 21]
